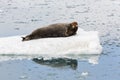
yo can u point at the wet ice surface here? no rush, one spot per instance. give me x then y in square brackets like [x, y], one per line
[18, 17]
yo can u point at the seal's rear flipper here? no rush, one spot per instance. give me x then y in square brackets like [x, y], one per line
[23, 38]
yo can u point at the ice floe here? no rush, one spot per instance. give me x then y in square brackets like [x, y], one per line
[84, 43]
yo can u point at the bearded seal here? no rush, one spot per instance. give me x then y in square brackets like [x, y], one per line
[53, 30]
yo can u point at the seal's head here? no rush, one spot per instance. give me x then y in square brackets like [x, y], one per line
[74, 24]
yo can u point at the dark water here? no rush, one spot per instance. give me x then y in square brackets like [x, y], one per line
[19, 17]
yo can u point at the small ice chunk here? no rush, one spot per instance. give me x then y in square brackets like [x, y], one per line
[23, 77]
[84, 74]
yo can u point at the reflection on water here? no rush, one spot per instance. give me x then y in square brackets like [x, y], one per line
[57, 62]
[91, 58]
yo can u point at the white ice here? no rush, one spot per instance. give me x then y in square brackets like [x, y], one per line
[84, 43]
